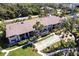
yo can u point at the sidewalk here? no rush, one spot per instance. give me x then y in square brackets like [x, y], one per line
[7, 51]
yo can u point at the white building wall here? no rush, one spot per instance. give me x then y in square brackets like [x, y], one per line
[12, 38]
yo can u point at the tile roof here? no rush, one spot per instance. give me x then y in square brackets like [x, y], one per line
[27, 26]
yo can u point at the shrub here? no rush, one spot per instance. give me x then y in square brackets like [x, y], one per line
[73, 44]
[71, 53]
[45, 50]
[59, 53]
[36, 50]
[39, 16]
[29, 17]
[22, 42]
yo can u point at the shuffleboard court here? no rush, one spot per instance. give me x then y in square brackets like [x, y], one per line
[47, 42]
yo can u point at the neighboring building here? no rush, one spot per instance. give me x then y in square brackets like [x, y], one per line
[21, 30]
[59, 12]
[49, 10]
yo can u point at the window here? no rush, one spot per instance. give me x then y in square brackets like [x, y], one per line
[13, 41]
[31, 34]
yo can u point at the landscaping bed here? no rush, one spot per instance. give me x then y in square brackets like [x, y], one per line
[45, 37]
[60, 45]
[22, 42]
[18, 44]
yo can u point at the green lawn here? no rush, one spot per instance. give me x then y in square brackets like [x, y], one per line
[24, 52]
[2, 54]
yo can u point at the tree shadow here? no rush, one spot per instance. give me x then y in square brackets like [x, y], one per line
[27, 45]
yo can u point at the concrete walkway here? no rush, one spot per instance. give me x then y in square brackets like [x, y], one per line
[43, 54]
[7, 51]
[66, 49]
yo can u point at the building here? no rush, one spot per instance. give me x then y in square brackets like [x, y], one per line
[47, 10]
[21, 30]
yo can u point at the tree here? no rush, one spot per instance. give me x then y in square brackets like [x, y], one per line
[45, 11]
[29, 17]
[2, 26]
[69, 24]
[38, 26]
[10, 14]
[2, 29]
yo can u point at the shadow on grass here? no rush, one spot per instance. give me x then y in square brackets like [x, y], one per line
[27, 45]
[3, 45]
